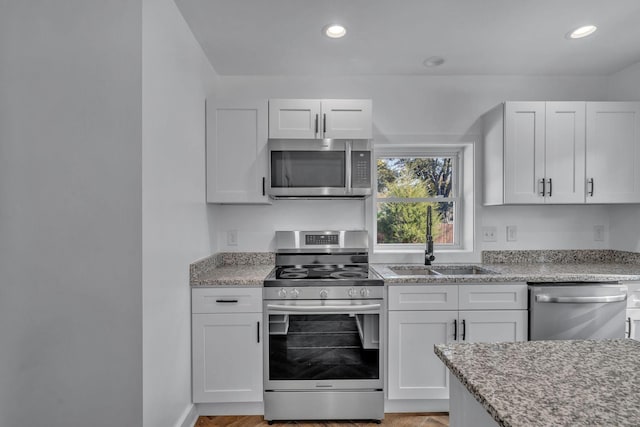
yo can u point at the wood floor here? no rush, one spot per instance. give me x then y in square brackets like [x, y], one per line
[432, 419]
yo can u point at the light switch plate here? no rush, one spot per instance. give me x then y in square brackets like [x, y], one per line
[232, 238]
[512, 233]
[598, 233]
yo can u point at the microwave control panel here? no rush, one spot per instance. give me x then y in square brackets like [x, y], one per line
[361, 169]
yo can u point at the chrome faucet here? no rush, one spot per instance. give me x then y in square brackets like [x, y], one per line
[428, 253]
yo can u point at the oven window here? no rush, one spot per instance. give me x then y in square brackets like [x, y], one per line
[308, 169]
[324, 347]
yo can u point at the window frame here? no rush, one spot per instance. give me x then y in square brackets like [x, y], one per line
[421, 151]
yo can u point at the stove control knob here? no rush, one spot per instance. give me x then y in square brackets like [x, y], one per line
[324, 293]
[352, 292]
[364, 292]
[282, 293]
[295, 293]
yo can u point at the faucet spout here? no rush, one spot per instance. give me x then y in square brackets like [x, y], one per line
[428, 253]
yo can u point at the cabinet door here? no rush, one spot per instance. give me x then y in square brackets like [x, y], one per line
[236, 151]
[227, 357]
[294, 119]
[524, 124]
[613, 152]
[347, 118]
[415, 372]
[565, 152]
[633, 324]
[493, 326]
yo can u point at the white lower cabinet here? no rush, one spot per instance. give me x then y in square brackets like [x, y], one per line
[421, 316]
[633, 323]
[633, 310]
[226, 345]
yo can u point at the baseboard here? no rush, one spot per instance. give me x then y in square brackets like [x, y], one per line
[188, 417]
[245, 408]
[417, 405]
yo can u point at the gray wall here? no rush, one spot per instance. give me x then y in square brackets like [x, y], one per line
[70, 213]
[176, 77]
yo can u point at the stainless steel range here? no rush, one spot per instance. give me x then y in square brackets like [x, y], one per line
[324, 315]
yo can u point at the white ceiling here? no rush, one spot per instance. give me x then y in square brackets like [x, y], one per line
[394, 37]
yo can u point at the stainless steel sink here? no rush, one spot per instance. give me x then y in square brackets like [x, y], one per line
[410, 270]
[461, 270]
[445, 270]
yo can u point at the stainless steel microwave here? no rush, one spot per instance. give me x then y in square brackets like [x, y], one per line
[319, 168]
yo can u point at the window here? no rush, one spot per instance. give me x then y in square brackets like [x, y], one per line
[409, 182]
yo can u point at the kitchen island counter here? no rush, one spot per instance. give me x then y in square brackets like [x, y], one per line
[542, 383]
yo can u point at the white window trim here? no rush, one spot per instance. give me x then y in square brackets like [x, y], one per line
[465, 203]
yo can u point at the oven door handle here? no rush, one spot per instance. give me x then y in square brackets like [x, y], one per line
[321, 308]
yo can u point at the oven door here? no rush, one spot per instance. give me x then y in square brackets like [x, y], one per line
[323, 345]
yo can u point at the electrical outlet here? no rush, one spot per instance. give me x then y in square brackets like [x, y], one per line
[598, 233]
[489, 234]
[512, 233]
[232, 238]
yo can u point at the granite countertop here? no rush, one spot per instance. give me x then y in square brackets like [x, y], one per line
[251, 268]
[542, 383]
[247, 269]
[573, 265]
[520, 272]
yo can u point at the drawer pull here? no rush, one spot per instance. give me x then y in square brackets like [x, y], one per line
[227, 301]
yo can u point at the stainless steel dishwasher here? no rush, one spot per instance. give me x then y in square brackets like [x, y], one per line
[566, 311]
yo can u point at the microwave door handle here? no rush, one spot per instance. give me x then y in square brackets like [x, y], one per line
[347, 169]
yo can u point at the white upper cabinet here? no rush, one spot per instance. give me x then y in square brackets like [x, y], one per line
[317, 119]
[237, 151]
[523, 151]
[544, 150]
[613, 147]
[562, 153]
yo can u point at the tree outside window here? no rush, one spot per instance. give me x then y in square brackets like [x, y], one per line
[406, 186]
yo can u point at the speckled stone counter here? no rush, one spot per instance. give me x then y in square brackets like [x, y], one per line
[537, 272]
[573, 265]
[545, 383]
[232, 269]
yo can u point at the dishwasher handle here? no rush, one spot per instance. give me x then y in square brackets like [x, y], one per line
[581, 300]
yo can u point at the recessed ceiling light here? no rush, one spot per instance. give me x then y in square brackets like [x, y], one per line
[433, 61]
[334, 31]
[581, 32]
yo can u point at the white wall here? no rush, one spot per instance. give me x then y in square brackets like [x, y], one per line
[625, 220]
[70, 213]
[176, 78]
[431, 108]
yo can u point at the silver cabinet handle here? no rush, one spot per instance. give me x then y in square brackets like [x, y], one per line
[550, 187]
[321, 308]
[455, 329]
[227, 301]
[591, 187]
[581, 300]
[464, 330]
[629, 329]
[544, 187]
[316, 124]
